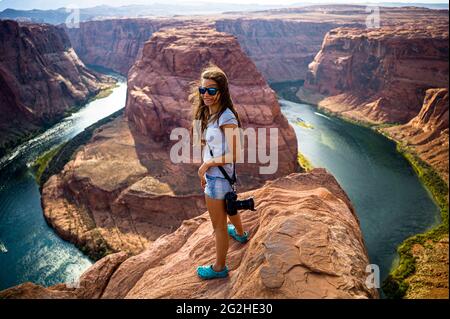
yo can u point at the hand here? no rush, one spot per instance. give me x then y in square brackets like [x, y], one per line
[203, 182]
[201, 173]
[202, 170]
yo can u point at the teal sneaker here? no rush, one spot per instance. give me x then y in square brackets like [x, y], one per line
[207, 272]
[232, 232]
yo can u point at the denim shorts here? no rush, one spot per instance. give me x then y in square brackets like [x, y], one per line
[216, 187]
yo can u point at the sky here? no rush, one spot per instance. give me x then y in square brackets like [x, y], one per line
[54, 4]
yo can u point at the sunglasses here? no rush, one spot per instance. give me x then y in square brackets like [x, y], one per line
[211, 91]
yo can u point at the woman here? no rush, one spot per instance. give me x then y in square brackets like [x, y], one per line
[217, 118]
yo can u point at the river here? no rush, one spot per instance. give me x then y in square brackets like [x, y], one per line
[389, 199]
[29, 249]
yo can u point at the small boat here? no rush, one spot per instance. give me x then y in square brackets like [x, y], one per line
[300, 122]
[3, 248]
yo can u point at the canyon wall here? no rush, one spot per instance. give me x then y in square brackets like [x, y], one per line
[41, 77]
[305, 242]
[427, 133]
[122, 190]
[280, 45]
[281, 49]
[378, 75]
[280, 42]
[115, 43]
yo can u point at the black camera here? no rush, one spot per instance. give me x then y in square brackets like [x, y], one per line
[233, 205]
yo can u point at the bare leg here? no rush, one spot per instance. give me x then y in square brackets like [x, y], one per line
[216, 209]
[236, 221]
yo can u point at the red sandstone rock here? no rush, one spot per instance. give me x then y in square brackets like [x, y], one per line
[379, 75]
[115, 43]
[305, 242]
[280, 48]
[29, 290]
[427, 133]
[40, 77]
[94, 280]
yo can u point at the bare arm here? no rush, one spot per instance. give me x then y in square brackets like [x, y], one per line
[233, 141]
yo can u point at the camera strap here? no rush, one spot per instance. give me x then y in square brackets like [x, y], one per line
[232, 181]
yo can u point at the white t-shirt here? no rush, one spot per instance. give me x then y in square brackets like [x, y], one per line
[215, 138]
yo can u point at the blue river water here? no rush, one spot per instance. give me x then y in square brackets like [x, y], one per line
[389, 199]
[29, 249]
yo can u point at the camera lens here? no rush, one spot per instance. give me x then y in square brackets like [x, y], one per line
[246, 204]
